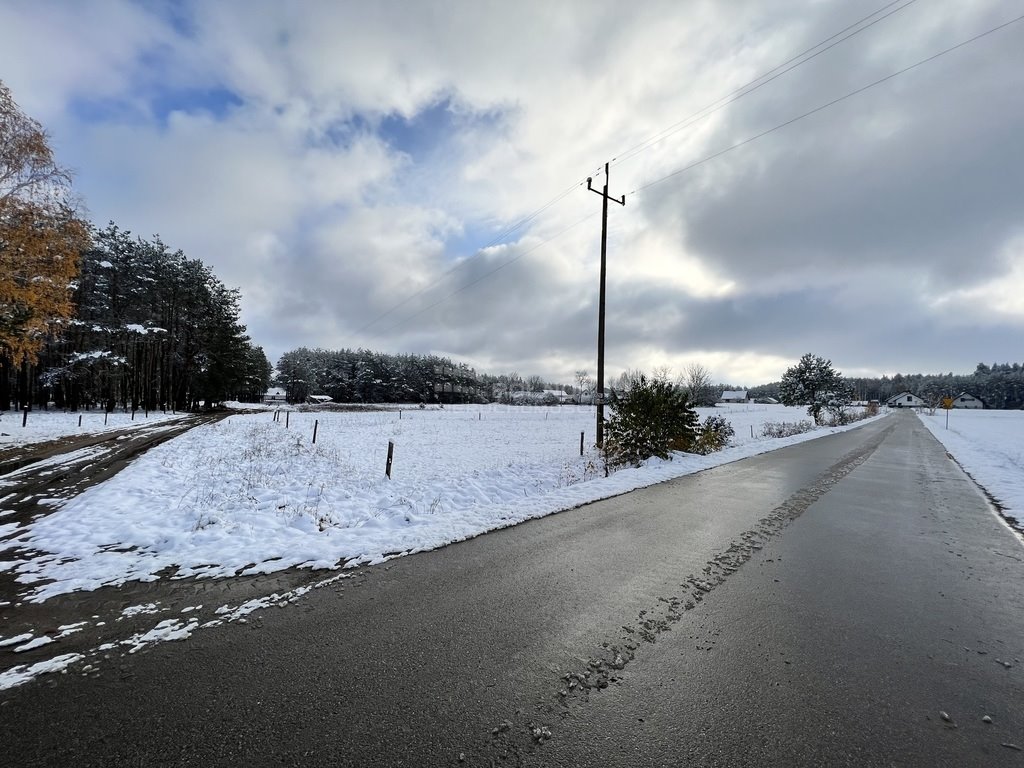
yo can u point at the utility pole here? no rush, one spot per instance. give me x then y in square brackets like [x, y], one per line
[600, 308]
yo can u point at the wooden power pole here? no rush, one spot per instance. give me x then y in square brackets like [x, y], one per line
[600, 308]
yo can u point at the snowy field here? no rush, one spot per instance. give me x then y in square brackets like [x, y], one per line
[50, 425]
[990, 446]
[248, 495]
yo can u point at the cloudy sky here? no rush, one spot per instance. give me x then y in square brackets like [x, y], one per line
[359, 170]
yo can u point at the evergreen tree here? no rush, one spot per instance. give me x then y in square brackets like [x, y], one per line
[814, 383]
[649, 418]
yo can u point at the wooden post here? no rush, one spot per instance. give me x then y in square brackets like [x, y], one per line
[133, 414]
[316, 423]
[391, 455]
[105, 414]
[79, 419]
[581, 443]
[24, 418]
[751, 430]
[287, 418]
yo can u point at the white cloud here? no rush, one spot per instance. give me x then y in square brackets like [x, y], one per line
[300, 187]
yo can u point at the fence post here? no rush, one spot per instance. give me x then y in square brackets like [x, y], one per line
[287, 418]
[581, 443]
[79, 419]
[105, 414]
[316, 423]
[751, 430]
[24, 418]
[391, 455]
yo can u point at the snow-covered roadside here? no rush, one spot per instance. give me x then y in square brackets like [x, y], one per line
[248, 495]
[50, 425]
[989, 445]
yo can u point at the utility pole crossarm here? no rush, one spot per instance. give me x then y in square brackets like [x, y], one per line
[604, 193]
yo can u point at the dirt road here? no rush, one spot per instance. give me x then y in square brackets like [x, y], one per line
[32, 478]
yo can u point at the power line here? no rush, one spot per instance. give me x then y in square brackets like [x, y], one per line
[746, 89]
[827, 105]
[724, 101]
[707, 159]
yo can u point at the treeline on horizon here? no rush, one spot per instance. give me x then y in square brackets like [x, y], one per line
[149, 329]
[1000, 386]
[365, 376]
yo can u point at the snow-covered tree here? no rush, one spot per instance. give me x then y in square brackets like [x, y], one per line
[815, 383]
[649, 418]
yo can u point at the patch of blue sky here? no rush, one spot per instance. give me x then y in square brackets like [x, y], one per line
[158, 105]
[471, 239]
[176, 13]
[421, 134]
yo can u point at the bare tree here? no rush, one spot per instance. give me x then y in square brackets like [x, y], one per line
[696, 380]
[534, 383]
[584, 383]
[662, 373]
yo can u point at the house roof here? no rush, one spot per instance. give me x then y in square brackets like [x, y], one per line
[734, 394]
[901, 394]
[968, 394]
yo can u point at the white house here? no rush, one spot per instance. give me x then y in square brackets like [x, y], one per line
[733, 396]
[967, 400]
[543, 397]
[905, 400]
[275, 396]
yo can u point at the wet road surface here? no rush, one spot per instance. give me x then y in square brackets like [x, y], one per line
[819, 605]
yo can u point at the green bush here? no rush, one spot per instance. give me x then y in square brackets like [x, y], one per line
[715, 434]
[651, 418]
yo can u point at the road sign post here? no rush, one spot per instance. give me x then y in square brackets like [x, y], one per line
[947, 403]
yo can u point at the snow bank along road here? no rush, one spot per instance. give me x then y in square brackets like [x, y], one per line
[138, 559]
[852, 600]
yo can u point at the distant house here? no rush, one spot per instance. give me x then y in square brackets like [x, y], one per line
[584, 397]
[275, 396]
[967, 400]
[905, 400]
[734, 396]
[559, 395]
[766, 401]
[544, 397]
[319, 399]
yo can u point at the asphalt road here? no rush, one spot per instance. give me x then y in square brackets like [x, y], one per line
[819, 605]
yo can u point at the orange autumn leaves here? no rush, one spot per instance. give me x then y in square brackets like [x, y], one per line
[41, 236]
